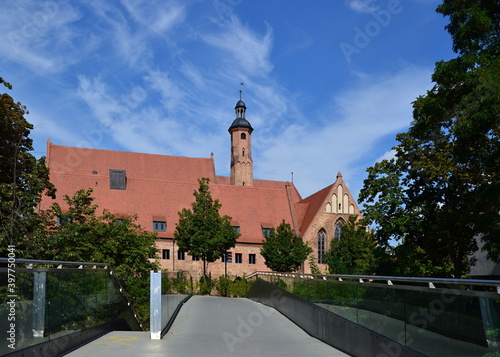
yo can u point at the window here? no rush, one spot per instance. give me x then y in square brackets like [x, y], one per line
[338, 229]
[180, 255]
[243, 136]
[266, 232]
[196, 259]
[117, 179]
[159, 226]
[321, 246]
[165, 254]
[227, 258]
[60, 220]
[251, 258]
[236, 228]
[238, 258]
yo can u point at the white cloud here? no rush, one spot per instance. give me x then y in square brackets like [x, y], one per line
[364, 6]
[348, 131]
[388, 155]
[158, 16]
[38, 32]
[250, 50]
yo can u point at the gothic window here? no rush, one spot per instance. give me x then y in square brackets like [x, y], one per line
[338, 229]
[243, 152]
[321, 246]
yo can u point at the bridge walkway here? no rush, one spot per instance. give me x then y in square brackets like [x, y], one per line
[216, 326]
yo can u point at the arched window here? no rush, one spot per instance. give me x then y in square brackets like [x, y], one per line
[243, 152]
[338, 229]
[243, 136]
[321, 246]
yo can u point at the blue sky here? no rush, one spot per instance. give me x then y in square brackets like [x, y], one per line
[327, 83]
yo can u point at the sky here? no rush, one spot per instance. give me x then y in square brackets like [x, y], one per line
[327, 83]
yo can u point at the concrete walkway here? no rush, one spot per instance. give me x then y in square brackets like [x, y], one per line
[216, 326]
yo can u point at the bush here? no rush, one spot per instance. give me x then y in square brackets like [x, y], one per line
[224, 286]
[205, 285]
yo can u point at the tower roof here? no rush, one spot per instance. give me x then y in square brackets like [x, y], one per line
[240, 104]
[241, 123]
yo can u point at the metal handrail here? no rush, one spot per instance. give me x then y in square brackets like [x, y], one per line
[388, 279]
[54, 262]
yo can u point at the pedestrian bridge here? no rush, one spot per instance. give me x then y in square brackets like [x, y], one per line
[77, 309]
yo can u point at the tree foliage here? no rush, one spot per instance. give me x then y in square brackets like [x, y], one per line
[442, 189]
[79, 234]
[282, 250]
[354, 252]
[202, 232]
[23, 178]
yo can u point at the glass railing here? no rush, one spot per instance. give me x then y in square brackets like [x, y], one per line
[436, 317]
[176, 287]
[45, 300]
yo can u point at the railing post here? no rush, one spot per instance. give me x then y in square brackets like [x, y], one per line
[155, 305]
[39, 290]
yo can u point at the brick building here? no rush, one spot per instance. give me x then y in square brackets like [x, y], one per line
[157, 187]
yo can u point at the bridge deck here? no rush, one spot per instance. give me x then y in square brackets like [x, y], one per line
[216, 326]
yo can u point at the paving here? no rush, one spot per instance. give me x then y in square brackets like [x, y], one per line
[216, 326]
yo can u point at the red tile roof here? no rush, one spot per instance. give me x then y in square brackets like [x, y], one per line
[161, 186]
[311, 205]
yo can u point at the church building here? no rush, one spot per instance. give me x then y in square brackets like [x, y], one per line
[157, 187]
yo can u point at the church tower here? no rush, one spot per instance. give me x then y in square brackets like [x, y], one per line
[241, 147]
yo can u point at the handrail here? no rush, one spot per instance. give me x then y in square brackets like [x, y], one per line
[389, 279]
[54, 262]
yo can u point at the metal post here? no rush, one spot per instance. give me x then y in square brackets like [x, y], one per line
[155, 305]
[39, 290]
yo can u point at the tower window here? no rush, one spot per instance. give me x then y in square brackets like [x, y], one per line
[243, 136]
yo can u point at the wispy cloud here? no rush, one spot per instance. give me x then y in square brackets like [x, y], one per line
[158, 16]
[249, 49]
[348, 130]
[39, 35]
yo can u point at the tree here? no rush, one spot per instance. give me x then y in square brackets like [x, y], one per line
[282, 250]
[23, 178]
[354, 252]
[442, 189]
[79, 234]
[202, 232]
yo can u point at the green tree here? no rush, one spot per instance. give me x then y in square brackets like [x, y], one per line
[202, 232]
[23, 178]
[79, 234]
[442, 189]
[282, 250]
[354, 252]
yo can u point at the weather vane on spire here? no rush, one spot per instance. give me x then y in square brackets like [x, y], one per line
[241, 84]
